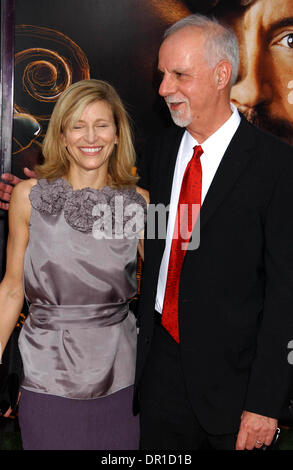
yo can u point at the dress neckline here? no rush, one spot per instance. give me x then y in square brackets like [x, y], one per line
[69, 185]
[52, 197]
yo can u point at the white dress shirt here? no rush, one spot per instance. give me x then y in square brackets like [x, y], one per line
[213, 151]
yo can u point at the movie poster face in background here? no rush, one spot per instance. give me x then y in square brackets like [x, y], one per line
[60, 42]
[264, 90]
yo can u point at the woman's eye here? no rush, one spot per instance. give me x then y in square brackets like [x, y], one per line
[287, 41]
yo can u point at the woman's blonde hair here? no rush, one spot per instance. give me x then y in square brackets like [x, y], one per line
[67, 111]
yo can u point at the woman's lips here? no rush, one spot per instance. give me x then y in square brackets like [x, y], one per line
[90, 150]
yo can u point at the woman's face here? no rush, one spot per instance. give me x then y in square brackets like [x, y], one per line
[91, 139]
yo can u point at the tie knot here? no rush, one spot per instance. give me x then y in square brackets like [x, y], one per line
[198, 151]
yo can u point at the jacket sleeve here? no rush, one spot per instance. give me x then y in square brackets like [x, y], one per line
[272, 370]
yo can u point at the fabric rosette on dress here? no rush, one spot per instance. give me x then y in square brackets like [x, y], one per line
[108, 213]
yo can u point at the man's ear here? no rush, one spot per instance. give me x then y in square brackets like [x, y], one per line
[223, 73]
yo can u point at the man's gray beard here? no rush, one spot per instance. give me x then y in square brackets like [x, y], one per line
[178, 120]
[260, 117]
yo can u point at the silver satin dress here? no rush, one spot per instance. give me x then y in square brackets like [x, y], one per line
[79, 340]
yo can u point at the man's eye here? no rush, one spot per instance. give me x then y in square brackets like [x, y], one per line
[287, 41]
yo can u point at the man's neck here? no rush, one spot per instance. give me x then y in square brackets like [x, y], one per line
[201, 131]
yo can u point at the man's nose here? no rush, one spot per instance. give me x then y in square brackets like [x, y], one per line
[167, 86]
[252, 88]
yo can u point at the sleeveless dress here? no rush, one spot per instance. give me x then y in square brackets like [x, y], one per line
[78, 343]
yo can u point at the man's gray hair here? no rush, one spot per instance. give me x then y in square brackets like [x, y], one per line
[221, 42]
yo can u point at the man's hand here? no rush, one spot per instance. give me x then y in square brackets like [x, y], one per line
[255, 430]
[6, 188]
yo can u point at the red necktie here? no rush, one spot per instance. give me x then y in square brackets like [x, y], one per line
[190, 194]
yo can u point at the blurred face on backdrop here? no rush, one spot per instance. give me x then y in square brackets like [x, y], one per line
[264, 90]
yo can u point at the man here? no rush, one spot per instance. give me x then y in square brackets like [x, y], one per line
[215, 322]
[264, 89]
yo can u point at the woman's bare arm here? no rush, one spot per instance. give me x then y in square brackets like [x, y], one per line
[11, 287]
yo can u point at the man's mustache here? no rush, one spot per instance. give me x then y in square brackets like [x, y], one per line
[260, 117]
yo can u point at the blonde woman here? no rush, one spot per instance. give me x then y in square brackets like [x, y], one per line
[73, 239]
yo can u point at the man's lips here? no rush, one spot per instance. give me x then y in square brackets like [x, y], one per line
[174, 105]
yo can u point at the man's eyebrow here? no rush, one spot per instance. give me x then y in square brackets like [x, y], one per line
[283, 23]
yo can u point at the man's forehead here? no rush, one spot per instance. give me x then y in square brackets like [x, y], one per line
[184, 40]
[180, 55]
[275, 12]
[267, 13]
[172, 61]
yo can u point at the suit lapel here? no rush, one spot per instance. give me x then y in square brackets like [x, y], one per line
[234, 161]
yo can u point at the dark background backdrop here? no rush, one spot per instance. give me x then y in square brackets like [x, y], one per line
[113, 40]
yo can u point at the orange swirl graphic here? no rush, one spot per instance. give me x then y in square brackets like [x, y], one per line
[45, 67]
[47, 78]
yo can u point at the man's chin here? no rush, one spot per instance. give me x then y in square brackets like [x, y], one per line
[277, 126]
[179, 120]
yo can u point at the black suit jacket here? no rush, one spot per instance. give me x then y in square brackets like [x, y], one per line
[236, 289]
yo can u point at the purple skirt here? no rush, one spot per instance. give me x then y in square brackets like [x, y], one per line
[48, 422]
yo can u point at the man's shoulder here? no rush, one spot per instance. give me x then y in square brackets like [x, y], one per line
[264, 136]
[156, 155]
[268, 148]
[168, 134]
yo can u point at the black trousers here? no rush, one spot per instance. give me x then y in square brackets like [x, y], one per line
[167, 420]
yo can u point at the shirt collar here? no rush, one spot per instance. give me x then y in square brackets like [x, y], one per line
[216, 144]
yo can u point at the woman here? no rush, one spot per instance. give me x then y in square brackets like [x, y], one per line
[73, 236]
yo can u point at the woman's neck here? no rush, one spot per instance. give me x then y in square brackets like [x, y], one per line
[80, 179]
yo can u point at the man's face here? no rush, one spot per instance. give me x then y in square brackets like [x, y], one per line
[188, 83]
[264, 90]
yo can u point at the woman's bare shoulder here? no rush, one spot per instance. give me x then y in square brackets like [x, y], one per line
[20, 196]
[24, 187]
